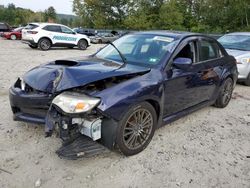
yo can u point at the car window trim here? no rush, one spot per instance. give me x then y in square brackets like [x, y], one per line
[180, 46]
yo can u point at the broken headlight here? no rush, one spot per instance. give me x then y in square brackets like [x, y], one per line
[73, 103]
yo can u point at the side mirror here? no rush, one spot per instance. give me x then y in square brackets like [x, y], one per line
[182, 63]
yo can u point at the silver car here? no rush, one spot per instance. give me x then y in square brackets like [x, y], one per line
[238, 45]
[104, 38]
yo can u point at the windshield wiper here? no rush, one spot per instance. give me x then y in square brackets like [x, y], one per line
[121, 55]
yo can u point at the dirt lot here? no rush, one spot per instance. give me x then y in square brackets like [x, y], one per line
[209, 148]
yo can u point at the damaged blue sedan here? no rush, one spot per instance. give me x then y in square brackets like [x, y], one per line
[119, 96]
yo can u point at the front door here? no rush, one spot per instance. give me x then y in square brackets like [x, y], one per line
[185, 88]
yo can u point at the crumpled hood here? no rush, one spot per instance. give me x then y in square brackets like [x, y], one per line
[66, 74]
[238, 53]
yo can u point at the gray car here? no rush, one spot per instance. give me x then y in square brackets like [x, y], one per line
[103, 38]
[238, 45]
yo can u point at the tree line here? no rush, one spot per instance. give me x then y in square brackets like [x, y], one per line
[16, 16]
[215, 16]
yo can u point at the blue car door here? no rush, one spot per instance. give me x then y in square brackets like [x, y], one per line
[185, 88]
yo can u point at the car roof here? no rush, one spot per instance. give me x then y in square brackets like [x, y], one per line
[174, 34]
[239, 33]
[44, 23]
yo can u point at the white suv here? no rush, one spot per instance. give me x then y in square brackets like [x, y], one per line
[46, 35]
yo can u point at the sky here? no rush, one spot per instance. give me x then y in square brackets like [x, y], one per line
[61, 6]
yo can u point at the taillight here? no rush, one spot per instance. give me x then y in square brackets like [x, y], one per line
[32, 32]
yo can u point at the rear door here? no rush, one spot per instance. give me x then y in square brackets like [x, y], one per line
[185, 88]
[212, 61]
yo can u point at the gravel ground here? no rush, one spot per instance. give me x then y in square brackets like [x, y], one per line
[209, 148]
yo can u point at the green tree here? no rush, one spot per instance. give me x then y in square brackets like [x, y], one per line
[50, 14]
[101, 14]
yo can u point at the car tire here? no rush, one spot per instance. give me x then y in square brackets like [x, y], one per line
[247, 81]
[225, 94]
[33, 46]
[136, 129]
[44, 44]
[13, 37]
[82, 44]
[99, 41]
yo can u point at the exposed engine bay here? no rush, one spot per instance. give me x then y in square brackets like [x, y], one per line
[104, 84]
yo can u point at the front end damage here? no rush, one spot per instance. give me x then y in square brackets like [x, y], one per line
[66, 97]
[83, 128]
[81, 134]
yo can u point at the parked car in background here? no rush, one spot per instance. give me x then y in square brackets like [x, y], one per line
[104, 38]
[120, 95]
[238, 45]
[4, 28]
[15, 34]
[47, 35]
[88, 32]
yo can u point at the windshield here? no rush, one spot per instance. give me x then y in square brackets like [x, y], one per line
[236, 42]
[144, 49]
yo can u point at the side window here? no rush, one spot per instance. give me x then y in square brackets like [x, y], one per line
[66, 30]
[187, 51]
[52, 28]
[208, 50]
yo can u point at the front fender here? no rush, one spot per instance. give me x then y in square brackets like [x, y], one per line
[118, 99]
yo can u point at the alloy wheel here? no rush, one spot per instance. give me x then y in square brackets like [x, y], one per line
[45, 44]
[137, 129]
[228, 91]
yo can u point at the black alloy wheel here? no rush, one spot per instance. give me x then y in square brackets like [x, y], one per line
[225, 94]
[82, 44]
[136, 129]
[44, 44]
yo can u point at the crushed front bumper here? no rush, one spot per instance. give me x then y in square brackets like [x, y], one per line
[28, 106]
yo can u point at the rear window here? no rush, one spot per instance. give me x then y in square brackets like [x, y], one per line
[31, 26]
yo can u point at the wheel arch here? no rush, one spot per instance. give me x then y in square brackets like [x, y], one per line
[46, 38]
[83, 39]
[228, 75]
[156, 106]
[14, 35]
